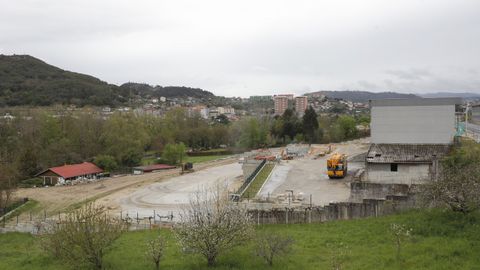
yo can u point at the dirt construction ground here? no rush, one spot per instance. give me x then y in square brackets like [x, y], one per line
[165, 191]
[61, 198]
[165, 197]
[309, 176]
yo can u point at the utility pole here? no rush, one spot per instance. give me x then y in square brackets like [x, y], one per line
[466, 118]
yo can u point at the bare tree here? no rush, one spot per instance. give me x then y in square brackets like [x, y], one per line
[211, 224]
[8, 185]
[156, 249]
[339, 252]
[271, 245]
[83, 236]
[400, 233]
[458, 183]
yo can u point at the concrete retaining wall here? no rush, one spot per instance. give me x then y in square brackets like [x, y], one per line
[410, 174]
[334, 211]
[366, 190]
[249, 166]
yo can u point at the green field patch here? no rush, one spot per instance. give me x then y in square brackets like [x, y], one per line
[359, 244]
[257, 183]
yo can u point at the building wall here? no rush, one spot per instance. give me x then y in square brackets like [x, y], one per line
[433, 124]
[301, 104]
[475, 117]
[280, 105]
[407, 173]
[49, 178]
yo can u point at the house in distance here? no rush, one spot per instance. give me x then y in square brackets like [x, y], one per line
[66, 173]
[408, 138]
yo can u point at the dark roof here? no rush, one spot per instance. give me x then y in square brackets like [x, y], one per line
[406, 153]
[154, 167]
[415, 102]
[74, 170]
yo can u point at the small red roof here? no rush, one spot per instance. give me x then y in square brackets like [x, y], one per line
[74, 170]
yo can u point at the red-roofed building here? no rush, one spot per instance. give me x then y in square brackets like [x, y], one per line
[60, 174]
[152, 168]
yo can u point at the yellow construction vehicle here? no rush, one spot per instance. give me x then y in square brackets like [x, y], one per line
[337, 166]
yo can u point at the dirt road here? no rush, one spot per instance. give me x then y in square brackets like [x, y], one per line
[58, 199]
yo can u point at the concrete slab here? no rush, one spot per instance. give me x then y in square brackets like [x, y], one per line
[168, 196]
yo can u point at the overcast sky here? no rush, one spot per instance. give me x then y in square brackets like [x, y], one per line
[242, 48]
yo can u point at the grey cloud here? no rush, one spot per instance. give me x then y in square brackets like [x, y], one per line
[412, 74]
[255, 47]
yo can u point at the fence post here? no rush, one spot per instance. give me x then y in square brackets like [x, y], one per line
[258, 217]
[44, 214]
[286, 215]
[153, 216]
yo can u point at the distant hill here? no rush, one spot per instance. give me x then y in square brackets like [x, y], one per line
[26, 80]
[464, 95]
[362, 96]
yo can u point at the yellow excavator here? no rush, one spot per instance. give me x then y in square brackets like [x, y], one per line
[337, 166]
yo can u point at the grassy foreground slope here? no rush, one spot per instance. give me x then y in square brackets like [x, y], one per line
[440, 241]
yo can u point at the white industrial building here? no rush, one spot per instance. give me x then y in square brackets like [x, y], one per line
[408, 138]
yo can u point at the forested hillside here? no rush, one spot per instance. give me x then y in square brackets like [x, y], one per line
[26, 80]
[163, 91]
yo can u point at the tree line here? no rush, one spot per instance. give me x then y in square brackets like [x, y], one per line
[31, 143]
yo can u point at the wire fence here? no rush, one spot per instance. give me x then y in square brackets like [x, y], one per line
[260, 213]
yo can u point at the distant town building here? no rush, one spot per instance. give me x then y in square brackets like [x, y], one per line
[260, 98]
[288, 96]
[301, 104]
[213, 112]
[203, 111]
[280, 104]
[475, 114]
[228, 110]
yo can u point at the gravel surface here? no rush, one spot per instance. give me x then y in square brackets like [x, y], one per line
[309, 176]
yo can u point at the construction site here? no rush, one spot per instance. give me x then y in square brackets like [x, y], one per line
[318, 182]
[297, 177]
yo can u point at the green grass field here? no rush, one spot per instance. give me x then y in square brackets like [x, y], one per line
[257, 183]
[440, 241]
